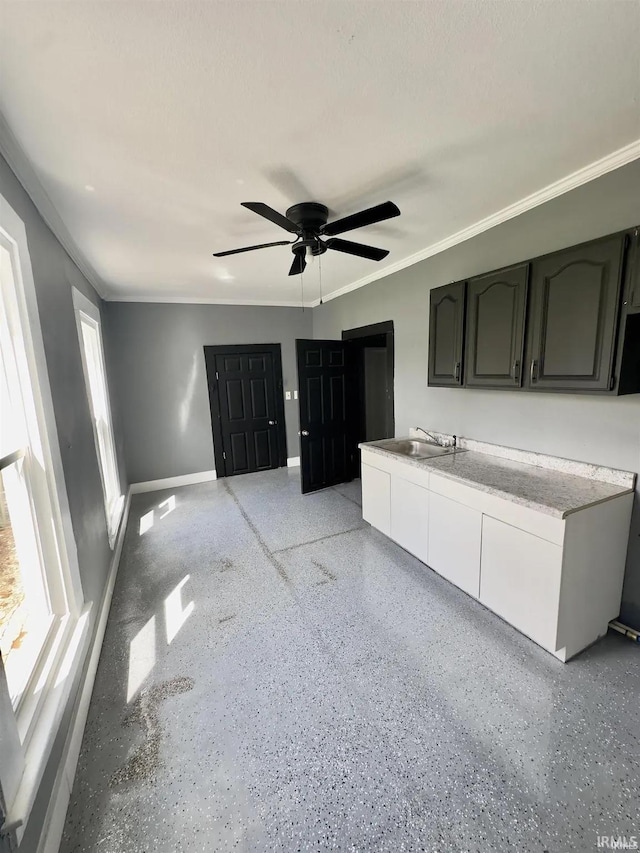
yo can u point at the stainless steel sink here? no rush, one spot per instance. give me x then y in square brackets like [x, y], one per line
[416, 448]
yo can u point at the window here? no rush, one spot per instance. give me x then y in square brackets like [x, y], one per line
[33, 596]
[89, 331]
[43, 624]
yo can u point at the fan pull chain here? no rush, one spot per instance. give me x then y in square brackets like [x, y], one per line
[320, 275]
[302, 289]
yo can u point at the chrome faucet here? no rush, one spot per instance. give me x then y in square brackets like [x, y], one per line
[439, 442]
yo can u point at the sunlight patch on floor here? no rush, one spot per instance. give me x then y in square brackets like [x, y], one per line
[175, 613]
[142, 657]
[146, 522]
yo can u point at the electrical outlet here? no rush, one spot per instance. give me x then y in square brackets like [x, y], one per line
[287, 395]
[295, 395]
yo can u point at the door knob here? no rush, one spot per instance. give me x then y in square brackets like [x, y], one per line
[272, 423]
[305, 432]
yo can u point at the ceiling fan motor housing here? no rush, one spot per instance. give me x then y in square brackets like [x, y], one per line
[309, 215]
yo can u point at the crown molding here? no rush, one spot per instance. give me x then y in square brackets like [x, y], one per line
[200, 300]
[594, 170]
[24, 171]
[21, 166]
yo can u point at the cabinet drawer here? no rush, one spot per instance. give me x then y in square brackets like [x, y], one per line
[376, 498]
[410, 516]
[454, 542]
[520, 580]
[397, 466]
[376, 460]
[538, 523]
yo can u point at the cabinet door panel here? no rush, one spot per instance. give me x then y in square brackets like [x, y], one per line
[446, 326]
[575, 298]
[633, 297]
[520, 580]
[494, 347]
[454, 542]
[410, 516]
[376, 498]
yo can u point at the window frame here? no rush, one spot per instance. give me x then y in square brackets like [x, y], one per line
[88, 313]
[33, 726]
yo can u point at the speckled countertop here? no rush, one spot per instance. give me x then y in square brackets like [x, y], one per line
[546, 490]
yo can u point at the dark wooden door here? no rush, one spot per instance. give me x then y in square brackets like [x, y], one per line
[324, 389]
[494, 339]
[574, 308]
[245, 390]
[446, 328]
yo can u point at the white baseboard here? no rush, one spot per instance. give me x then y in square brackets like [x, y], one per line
[172, 482]
[54, 821]
[293, 462]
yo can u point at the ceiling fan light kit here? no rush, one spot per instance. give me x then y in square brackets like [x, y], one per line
[308, 221]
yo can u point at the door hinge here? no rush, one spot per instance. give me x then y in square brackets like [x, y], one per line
[224, 455]
[217, 375]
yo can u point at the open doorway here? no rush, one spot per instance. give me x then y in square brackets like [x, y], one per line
[372, 359]
[346, 397]
[372, 348]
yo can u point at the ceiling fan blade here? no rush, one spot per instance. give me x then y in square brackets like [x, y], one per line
[370, 216]
[251, 248]
[370, 252]
[272, 215]
[299, 264]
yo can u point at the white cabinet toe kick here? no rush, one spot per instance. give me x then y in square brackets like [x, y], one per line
[556, 579]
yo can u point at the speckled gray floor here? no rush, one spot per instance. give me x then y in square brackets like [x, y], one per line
[326, 691]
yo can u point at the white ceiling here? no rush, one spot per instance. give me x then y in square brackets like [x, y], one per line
[147, 123]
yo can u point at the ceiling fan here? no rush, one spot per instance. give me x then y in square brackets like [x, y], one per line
[308, 221]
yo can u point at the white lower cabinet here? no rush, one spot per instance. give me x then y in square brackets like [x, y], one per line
[455, 533]
[410, 516]
[520, 580]
[376, 498]
[557, 580]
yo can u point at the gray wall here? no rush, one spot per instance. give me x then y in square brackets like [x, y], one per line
[592, 429]
[157, 362]
[54, 275]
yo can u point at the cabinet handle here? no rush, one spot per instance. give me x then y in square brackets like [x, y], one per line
[534, 367]
[515, 373]
[456, 371]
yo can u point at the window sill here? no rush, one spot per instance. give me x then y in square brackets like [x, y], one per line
[40, 717]
[21, 664]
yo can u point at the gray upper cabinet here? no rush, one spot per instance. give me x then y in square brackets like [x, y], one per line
[494, 348]
[573, 317]
[632, 302]
[446, 330]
